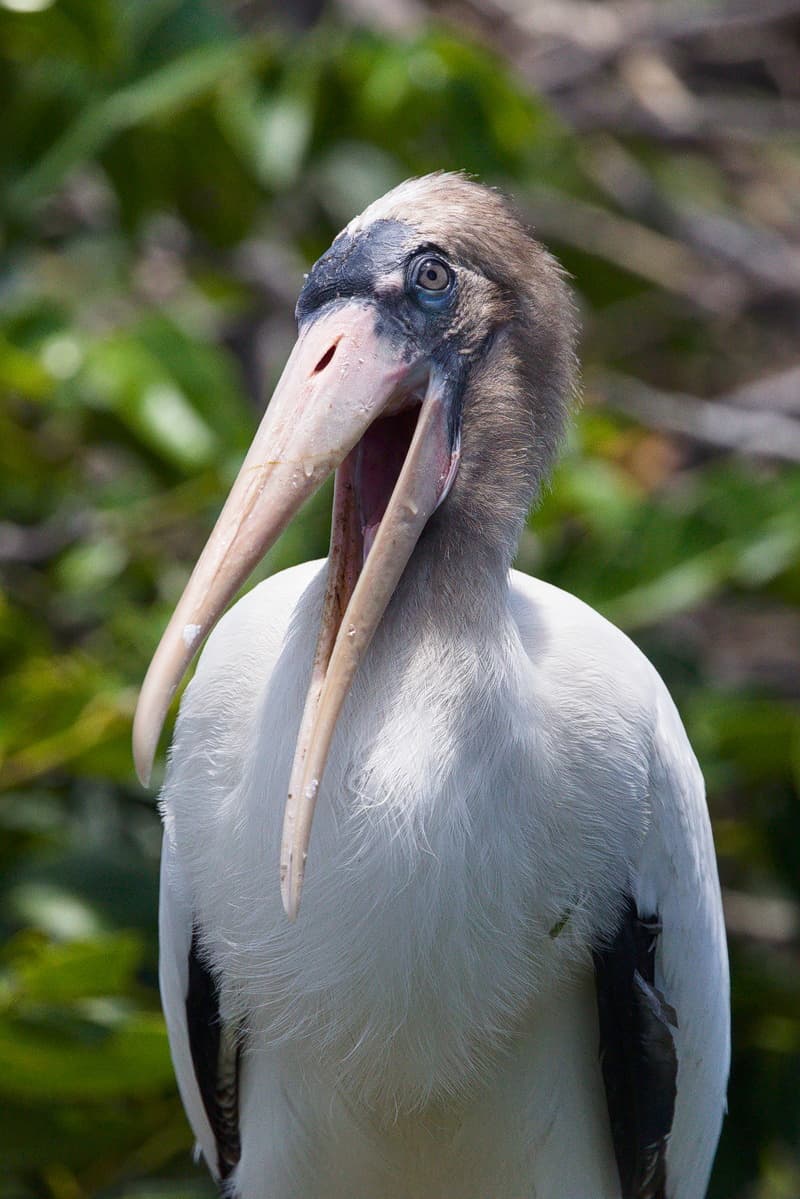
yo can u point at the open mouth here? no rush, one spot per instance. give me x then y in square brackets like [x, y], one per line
[387, 487]
[378, 461]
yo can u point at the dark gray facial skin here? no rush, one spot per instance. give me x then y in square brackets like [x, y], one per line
[359, 265]
[356, 265]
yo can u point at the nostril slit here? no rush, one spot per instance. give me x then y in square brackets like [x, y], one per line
[325, 359]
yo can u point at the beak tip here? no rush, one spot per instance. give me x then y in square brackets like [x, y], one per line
[290, 894]
[144, 748]
[143, 769]
[143, 775]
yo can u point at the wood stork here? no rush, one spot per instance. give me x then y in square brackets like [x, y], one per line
[509, 978]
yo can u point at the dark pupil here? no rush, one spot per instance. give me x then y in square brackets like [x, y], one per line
[432, 276]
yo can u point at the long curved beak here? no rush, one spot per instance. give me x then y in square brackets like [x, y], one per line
[343, 374]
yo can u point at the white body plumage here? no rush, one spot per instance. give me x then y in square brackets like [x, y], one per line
[428, 1026]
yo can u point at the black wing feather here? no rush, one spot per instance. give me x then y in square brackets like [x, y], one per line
[215, 1055]
[637, 1053]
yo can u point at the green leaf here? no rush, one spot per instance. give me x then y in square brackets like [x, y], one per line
[47, 973]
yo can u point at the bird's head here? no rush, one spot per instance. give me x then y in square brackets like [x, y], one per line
[432, 371]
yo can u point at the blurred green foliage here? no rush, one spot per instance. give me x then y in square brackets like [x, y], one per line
[166, 177]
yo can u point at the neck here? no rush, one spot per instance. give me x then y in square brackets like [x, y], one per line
[508, 447]
[453, 589]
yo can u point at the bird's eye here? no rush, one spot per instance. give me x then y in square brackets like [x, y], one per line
[431, 278]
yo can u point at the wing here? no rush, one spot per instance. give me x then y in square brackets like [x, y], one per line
[662, 990]
[662, 978]
[677, 880]
[205, 1052]
[212, 742]
[637, 1053]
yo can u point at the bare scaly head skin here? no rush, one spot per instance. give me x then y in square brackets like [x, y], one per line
[433, 372]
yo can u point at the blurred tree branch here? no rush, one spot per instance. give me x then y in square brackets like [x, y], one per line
[727, 423]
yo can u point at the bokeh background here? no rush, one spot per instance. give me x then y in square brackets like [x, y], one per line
[169, 169]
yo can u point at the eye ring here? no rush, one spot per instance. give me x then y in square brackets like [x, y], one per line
[431, 277]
